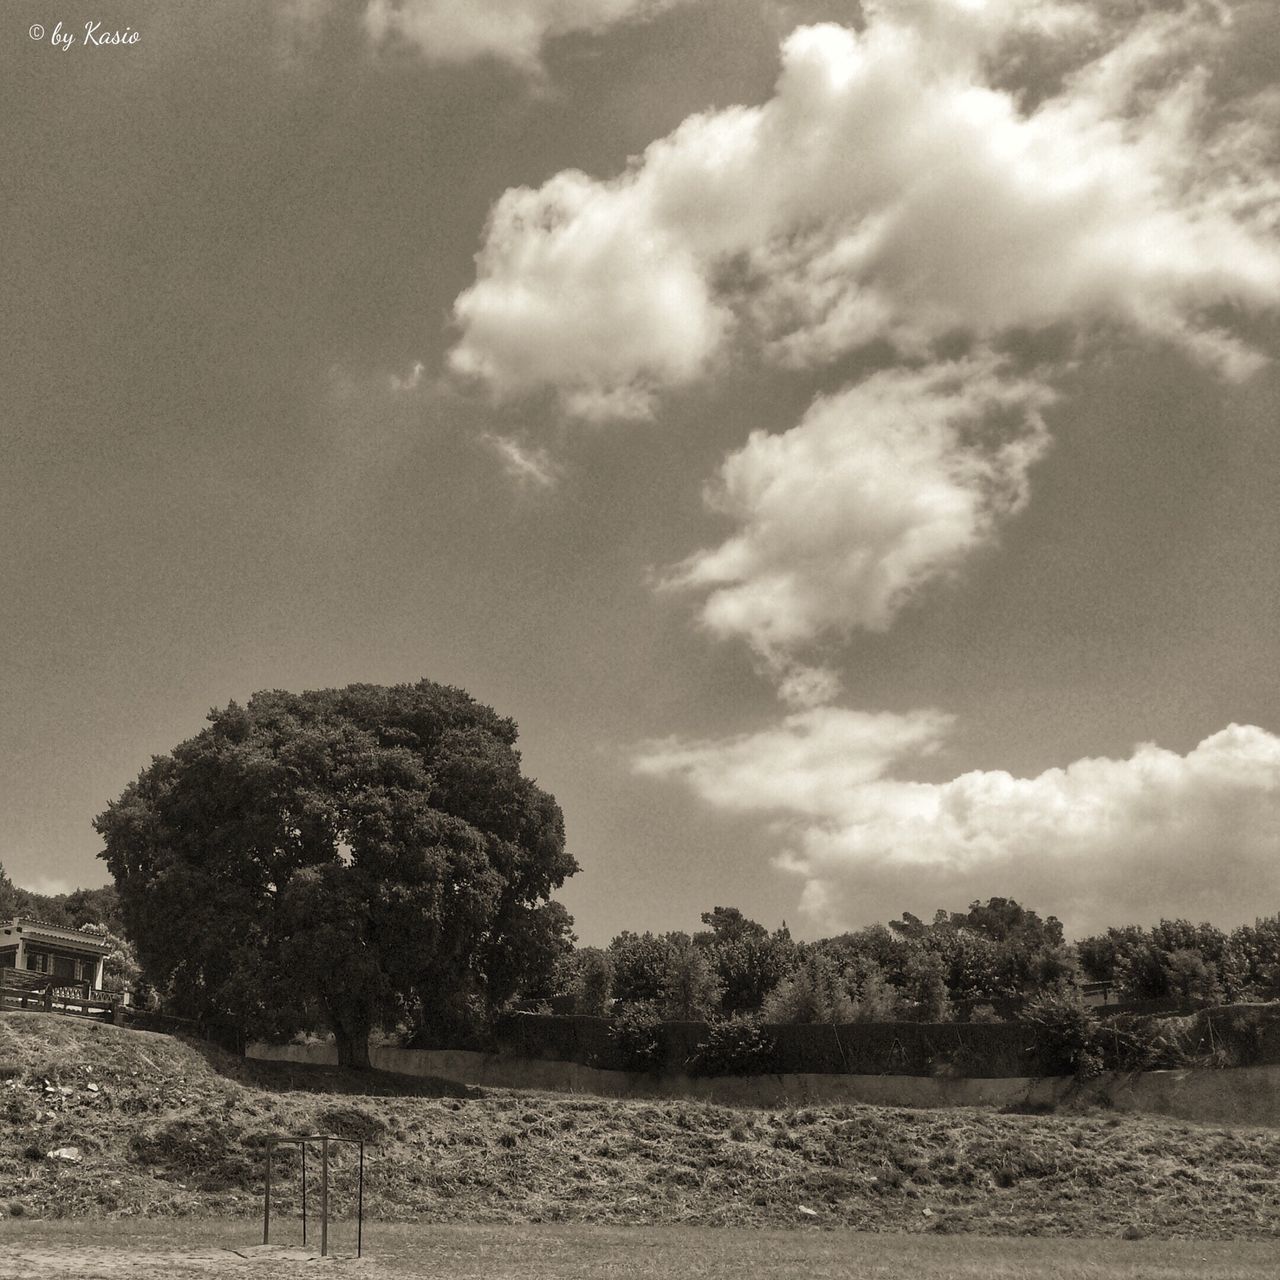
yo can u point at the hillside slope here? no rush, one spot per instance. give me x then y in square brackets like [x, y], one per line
[165, 1127]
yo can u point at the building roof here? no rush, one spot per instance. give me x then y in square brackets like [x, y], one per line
[60, 934]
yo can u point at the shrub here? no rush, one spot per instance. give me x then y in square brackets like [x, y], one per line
[690, 985]
[593, 982]
[636, 1034]
[1139, 1044]
[737, 1047]
[351, 1122]
[1068, 1033]
[816, 992]
[984, 1013]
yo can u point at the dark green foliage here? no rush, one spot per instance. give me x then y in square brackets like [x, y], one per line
[925, 996]
[636, 1033]
[640, 962]
[816, 992]
[735, 1047]
[351, 1122]
[1068, 1034]
[690, 987]
[749, 960]
[591, 982]
[72, 910]
[339, 856]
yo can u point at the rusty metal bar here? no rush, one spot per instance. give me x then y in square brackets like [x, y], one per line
[266, 1208]
[324, 1197]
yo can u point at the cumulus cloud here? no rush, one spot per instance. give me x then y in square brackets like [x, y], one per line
[898, 186]
[1100, 841]
[512, 31]
[879, 488]
[799, 766]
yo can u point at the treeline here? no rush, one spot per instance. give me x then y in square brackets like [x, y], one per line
[982, 964]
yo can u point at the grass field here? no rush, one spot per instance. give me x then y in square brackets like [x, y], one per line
[198, 1248]
[164, 1129]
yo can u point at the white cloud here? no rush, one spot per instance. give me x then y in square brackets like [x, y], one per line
[877, 490]
[411, 382]
[800, 766]
[1101, 841]
[801, 687]
[576, 289]
[512, 31]
[895, 188]
[528, 466]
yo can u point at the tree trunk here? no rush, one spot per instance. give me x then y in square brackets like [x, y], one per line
[353, 1050]
[351, 1029]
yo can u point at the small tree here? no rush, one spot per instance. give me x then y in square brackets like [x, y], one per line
[923, 996]
[640, 963]
[690, 988]
[749, 960]
[1192, 978]
[816, 992]
[592, 982]
[874, 998]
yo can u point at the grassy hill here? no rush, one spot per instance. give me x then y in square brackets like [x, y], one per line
[166, 1127]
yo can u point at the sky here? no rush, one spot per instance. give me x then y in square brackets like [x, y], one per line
[844, 439]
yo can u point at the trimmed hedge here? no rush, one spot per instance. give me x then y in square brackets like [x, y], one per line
[863, 1048]
[1232, 1035]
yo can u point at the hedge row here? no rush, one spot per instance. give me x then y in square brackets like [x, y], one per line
[1229, 1036]
[861, 1048]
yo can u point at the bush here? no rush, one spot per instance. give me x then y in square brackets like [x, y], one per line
[737, 1047]
[984, 1013]
[636, 1034]
[815, 993]
[351, 1122]
[1068, 1033]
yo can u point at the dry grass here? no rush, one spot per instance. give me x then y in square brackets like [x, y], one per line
[173, 1130]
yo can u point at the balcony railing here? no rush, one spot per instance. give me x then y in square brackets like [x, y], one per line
[24, 990]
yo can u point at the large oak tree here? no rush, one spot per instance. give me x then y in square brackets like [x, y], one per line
[340, 856]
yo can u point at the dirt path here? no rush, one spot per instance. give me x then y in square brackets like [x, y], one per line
[116, 1262]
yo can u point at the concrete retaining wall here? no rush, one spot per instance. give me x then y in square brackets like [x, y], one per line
[1244, 1095]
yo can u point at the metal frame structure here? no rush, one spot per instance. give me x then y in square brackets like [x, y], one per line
[324, 1139]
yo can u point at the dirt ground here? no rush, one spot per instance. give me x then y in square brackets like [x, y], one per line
[196, 1249]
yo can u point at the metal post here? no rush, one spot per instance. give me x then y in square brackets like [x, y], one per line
[303, 1145]
[324, 1197]
[266, 1207]
[360, 1204]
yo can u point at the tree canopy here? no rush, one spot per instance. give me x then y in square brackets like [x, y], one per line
[340, 856]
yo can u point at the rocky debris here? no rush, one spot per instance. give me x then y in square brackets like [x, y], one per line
[70, 1154]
